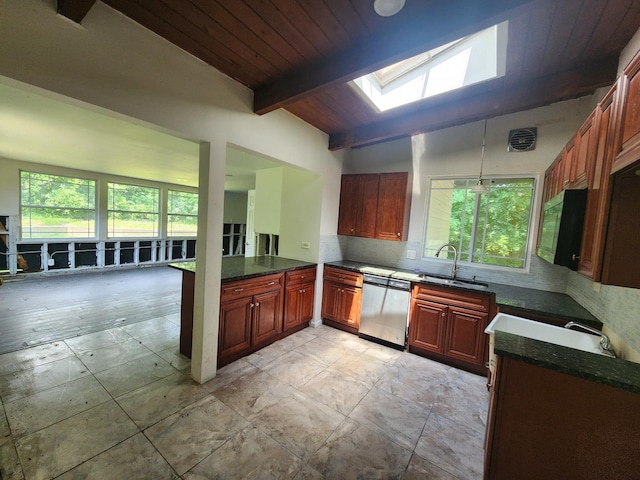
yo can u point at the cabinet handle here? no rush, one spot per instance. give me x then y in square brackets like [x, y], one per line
[575, 257]
[252, 305]
[566, 182]
[236, 290]
[304, 290]
[257, 304]
[398, 234]
[443, 314]
[301, 276]
[270, 283]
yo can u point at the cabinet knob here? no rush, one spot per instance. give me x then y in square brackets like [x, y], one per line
[252, 305]
[443, 314]
[575, 257]
[257, 304]
[236, 290]
[398, 234]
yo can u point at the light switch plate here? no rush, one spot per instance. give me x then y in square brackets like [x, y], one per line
[411, 254]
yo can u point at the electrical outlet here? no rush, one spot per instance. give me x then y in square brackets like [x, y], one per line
[51, 262]
[411, 254]
[306, 245]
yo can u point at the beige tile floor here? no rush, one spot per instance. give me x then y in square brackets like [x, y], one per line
[319, 404]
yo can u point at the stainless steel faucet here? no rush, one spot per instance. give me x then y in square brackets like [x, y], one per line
[454, 270]
[604, 340]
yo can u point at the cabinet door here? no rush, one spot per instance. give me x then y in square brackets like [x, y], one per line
[292, 302]
[622, 255]
[235, 327]
[267, 316]
[350, 306]
[305, 303]
[585, 153]
[427, 325]
[567, 162]
[630, 141]
[367, 205]
[331, 293]
[349, 194]
[465, 335]
[393, 199]
[598, 197]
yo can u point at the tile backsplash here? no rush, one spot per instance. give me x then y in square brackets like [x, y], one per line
[541, 276]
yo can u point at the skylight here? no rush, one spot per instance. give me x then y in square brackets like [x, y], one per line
[469, 60]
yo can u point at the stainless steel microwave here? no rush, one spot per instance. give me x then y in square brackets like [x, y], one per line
[562, 222]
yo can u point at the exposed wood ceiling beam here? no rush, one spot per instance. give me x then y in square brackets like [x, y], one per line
[440, 23]
[75, 10]
[481, 101]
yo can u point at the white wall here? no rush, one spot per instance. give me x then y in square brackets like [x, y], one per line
[456, 151]
[300, 214]
[235, 207]
[268, 200]
[116, 64]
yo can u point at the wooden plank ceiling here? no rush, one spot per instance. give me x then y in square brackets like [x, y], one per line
[300, 54]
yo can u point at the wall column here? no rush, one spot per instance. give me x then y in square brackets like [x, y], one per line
[208, 261]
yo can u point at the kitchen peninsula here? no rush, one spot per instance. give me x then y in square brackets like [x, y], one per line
[262, 299]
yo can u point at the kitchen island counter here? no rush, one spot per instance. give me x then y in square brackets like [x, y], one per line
[233, 269]
[241, 268]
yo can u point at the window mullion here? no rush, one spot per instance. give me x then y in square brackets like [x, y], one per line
[474, 227]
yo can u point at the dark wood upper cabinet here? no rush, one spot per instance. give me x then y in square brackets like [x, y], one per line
[375, 205]
[630, 104]
[394, 196]
[622, 256]
[603, 141]
[358, 205]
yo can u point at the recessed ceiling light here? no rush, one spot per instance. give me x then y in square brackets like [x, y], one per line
[387, 8]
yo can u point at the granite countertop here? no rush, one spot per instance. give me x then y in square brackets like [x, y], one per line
[610, 371]
[553, 304]
[240, 268]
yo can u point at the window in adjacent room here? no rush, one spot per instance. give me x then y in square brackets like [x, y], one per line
[53, 206]
[133, 210]
[489, 229]
[182, 214]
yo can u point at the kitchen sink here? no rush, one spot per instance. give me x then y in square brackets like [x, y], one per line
[546, 333]
[454, 282]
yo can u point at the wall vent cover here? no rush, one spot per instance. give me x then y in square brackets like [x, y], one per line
[522, 139]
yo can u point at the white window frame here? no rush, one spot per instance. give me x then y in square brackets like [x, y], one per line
[169, 214]
[158, 213]
[487, 179]
[63, 239]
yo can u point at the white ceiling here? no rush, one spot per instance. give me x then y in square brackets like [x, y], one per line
[38, 128]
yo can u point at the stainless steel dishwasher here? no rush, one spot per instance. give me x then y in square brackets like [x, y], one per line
[385, 310]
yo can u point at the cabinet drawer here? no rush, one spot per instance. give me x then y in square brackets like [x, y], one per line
[344, 277]
[252, 286]
[297, 277]
[453, 297]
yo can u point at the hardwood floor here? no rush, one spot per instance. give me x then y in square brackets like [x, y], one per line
[43, 309]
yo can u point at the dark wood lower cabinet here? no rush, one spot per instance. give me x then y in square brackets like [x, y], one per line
[427, 328]
[543, 424]
[342, 299]
[235, 327]
[251, 316]
[448, 325]
[299, 298]
[253, 312]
